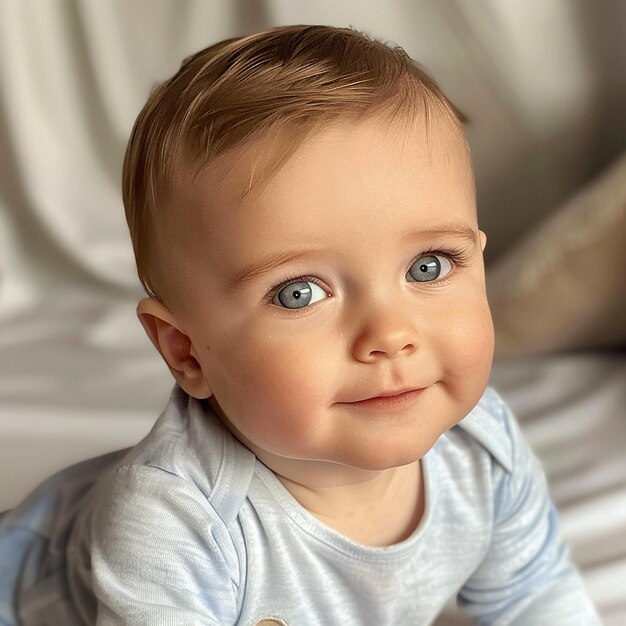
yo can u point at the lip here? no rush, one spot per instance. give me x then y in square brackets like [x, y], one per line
[389, 401]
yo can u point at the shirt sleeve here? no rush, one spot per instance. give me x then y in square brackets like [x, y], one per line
[526, 578]
[160, 554]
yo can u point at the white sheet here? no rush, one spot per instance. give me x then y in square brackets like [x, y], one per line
[78, 377]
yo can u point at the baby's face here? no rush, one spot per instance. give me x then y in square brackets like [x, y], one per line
[372, 288]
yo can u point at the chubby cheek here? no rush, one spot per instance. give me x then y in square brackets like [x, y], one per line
[468, 343]
[275, 388]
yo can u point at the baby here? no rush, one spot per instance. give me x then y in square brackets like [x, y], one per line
[302, 209]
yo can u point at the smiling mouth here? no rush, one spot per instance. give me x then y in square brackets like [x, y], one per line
[388, 402]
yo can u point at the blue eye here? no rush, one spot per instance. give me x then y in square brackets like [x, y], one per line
[299, 294]
[429, 268]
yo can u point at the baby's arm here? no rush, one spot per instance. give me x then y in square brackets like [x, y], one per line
[526, 577]
[158, 554]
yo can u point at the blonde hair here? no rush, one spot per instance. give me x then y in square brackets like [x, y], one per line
[286, 81]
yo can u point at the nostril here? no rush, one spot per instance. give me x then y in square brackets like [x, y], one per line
[409, 347]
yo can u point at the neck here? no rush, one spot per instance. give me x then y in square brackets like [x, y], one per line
[372, 507]
[378, 510]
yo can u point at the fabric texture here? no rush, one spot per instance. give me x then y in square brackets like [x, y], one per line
[188, 527]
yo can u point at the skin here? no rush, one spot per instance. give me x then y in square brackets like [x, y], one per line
[280, 378]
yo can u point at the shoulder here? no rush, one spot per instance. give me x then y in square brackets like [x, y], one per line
[492, 425]
[155, 544]
[176, 494]
[187, 456]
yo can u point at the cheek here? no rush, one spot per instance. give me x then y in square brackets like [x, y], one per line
[276, 391]
[470, 342]
[272, 374]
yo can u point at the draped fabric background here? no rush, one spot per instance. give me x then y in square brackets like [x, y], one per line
[544, 87]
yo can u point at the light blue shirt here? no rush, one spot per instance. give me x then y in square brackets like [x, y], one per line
[188, 527]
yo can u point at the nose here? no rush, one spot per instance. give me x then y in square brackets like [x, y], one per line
[385, 332]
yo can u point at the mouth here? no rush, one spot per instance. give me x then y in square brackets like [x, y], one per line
[389, 401]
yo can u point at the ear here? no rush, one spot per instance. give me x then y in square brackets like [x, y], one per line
[483, 240]
[174, 345]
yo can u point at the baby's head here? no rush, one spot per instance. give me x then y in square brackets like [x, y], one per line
[302, 209]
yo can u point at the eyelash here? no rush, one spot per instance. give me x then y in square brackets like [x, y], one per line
[459, 258]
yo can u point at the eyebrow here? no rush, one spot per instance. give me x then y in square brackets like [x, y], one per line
[266, 264]
[460, 229]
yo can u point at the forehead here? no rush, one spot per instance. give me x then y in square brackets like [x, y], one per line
[365, 179]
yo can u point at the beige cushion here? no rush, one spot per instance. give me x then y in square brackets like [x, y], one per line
[563, 287]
